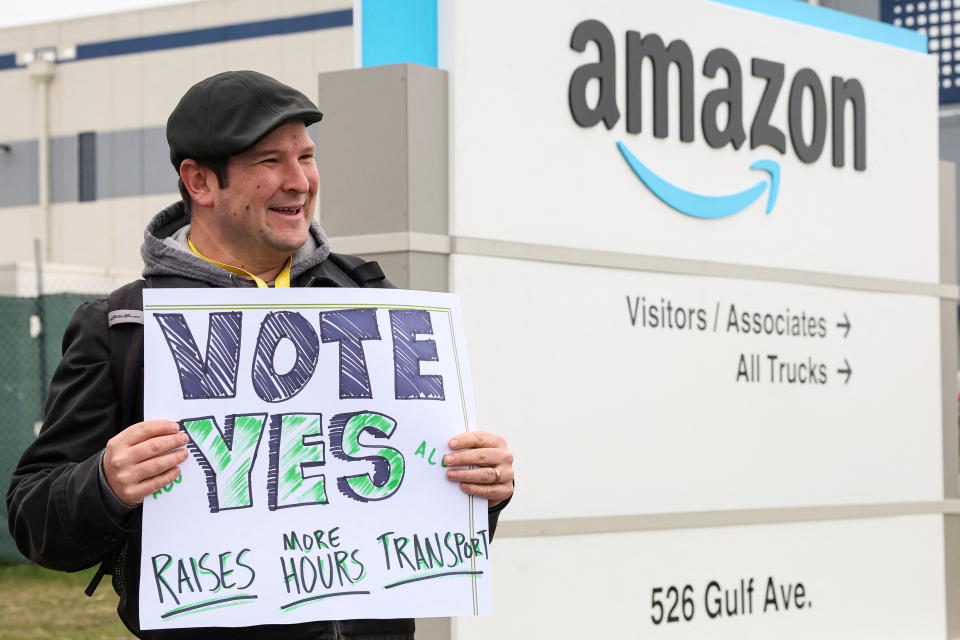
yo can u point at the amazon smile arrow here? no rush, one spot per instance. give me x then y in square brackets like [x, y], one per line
[704, 206]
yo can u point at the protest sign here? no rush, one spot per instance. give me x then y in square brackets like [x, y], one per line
[315, 486]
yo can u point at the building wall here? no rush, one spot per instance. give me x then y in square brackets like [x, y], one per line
[863, 8]
[125, 101]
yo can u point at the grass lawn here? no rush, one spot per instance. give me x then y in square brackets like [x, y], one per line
[37, 603]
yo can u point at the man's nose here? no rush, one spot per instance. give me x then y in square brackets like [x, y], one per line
[295, 178]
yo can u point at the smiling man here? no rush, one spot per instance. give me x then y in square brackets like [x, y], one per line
[266, 213]
[249, 183]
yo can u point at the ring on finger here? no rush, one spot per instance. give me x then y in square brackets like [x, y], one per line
[497, 471]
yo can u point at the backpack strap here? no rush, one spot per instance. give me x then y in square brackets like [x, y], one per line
[97, 577]
[125, 322]
[365, 274]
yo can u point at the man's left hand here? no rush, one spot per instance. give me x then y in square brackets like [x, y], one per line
[493, 476]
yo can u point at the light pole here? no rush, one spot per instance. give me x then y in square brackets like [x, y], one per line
[42, 71]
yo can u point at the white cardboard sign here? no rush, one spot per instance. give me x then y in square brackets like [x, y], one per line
[314, 488]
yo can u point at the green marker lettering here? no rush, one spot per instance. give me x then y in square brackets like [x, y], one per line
[229, 456]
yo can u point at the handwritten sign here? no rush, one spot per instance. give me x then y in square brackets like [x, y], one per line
[315, 487]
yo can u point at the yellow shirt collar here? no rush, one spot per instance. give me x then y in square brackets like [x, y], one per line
[282, 280]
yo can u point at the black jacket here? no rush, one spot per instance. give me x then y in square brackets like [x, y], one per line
[58, 514]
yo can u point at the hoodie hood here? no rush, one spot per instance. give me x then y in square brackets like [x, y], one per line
[165, 251]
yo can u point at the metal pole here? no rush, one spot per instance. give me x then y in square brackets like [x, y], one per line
[41, 316]
[42, 71]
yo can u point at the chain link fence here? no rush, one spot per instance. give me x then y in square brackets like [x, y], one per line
[35, 307]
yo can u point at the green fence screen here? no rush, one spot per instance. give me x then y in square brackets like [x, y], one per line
[26, 364]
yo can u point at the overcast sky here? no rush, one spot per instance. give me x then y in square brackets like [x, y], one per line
[18, 12]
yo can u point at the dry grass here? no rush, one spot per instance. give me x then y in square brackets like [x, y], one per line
[37, 603]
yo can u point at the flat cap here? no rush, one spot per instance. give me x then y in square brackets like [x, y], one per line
[228, 113]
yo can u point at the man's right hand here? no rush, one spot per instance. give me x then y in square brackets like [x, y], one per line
[139, 460]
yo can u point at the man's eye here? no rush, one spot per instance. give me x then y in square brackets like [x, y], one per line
[269, 161]
[307, 156]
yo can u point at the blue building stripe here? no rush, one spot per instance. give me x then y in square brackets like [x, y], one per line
[213, 35]
[837, 21]
[209, 35]
[395, 32]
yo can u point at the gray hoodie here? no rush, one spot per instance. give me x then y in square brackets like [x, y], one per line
[165, 251]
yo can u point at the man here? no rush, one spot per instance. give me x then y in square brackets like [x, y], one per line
[249, 184]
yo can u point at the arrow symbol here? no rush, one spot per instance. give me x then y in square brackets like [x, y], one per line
[847, 370]
[705, 206]
[844, 325]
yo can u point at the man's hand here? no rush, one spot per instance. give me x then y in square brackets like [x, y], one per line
[137, 463]
[493, 477]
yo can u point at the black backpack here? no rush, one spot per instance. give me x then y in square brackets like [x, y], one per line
[125, 319]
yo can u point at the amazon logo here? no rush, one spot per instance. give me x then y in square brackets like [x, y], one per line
[722, 118]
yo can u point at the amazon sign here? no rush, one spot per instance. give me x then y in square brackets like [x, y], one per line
[770, 133]
[721, 112]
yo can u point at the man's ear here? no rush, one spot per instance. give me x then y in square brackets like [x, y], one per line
[199, 181]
